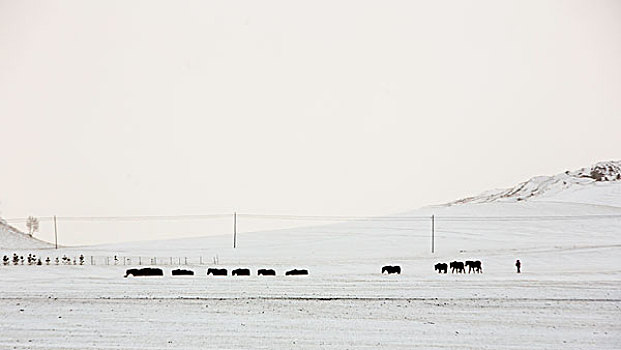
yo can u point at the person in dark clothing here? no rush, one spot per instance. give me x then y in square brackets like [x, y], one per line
[518, 264]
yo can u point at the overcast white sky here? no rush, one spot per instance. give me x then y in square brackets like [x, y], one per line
[317, 107]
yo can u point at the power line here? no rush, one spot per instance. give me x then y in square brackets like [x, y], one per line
[128, 218]
[529, 218]
[334, 217]
[326, 218]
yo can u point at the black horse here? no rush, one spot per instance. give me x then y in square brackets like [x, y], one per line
[147, 271]
[296, 272]
[180, 272]
[391, 269]
[474, 266]
[441, 267]
[240, 272]
[457, 266]
[266, 272]
[216, 272]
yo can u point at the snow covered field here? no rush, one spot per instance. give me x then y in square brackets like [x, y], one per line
[568, 296]
[309, 323]
[81, 307]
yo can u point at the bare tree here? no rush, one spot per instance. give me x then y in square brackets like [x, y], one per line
[32, 224]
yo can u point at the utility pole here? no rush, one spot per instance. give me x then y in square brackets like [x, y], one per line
[234, 230]
[433, 233]
[55, 233]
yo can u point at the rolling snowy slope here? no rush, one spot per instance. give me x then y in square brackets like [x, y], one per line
[582, 209]
[565, 229]
[598, 185]
[12, 238]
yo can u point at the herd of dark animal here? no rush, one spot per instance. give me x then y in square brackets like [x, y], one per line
[459, 267]
[455, 266]
[151, 271]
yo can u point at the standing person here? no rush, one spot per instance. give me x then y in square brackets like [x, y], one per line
[518, 264]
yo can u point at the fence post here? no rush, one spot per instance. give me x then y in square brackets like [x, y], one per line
[433, 232]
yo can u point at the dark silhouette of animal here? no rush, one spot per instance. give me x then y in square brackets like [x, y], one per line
[296, 272]
[147, 271]
[266, 272]
[457, 266]
[474, 266]
[240, 272]
[468, 263]
[441, 267]
[391, 269]
[180, 272]
[216, 272]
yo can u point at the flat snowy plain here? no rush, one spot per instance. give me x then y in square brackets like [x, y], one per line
[568, 296]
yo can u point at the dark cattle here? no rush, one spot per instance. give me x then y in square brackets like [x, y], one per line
[266, 272]
[391, 269]
[240, 272]
[180, 272]
[478, 266]
[474, 266]
[147, 271]
[216, 272]
[441, 267]
[296, 272]
[457, 266]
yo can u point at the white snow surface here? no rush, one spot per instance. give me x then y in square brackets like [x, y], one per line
[12, 238]
[568, 295]
[604, 176]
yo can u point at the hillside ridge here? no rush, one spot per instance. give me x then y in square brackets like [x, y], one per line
[13, 238]
[545, 186]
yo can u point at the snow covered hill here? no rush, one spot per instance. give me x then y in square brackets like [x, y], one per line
[12, 238]
[599, 184]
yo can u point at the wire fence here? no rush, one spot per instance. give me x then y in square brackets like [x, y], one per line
[327, 218]
[114, 260]
[151, 260]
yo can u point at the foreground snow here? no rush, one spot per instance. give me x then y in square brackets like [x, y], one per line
[566, 298]
[288, 324]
